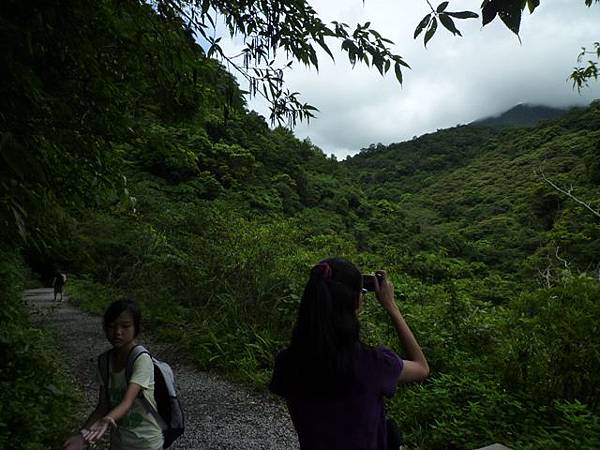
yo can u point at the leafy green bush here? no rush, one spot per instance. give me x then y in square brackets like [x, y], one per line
[37, 398]
[554, 345]
[459, 411]
[91, 295]
[567, 425]
[471, 411]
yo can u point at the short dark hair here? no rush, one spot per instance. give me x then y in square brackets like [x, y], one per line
[115, 309]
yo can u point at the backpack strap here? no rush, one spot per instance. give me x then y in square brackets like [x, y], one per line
[134, 354]
[104, 366]
[103, 369]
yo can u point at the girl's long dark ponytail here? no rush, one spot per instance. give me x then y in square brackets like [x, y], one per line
[326, 334]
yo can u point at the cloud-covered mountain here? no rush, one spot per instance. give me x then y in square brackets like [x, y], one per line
[522, 115]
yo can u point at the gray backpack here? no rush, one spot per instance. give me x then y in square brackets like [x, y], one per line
[168, 412]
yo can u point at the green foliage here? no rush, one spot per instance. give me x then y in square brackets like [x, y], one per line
[67, 98]
[555, 344]
[572, 425]
[456, 411]
[471, 411]
[506, 217]
[170, 152]
[465, 254]
[523, 375]
[583, 74]
[37, 398]
[211, 219]
[440, 14]
[293, 27]
[90, 295]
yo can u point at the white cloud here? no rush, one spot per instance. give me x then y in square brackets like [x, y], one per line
[454, 80]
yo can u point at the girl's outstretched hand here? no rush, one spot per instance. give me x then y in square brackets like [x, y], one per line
[98, 429]
[384, 290]
[75, 443]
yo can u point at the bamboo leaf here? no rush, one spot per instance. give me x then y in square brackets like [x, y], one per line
[431, 31]
[424, 22]
[463, 14]
[532, 4]
[398, 71]
[448, 23]
[488, 12]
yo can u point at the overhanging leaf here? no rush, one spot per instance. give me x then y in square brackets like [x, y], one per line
[532, 4]
[431, 31]
[424, 22]
[398, 71]
[463, 14]
[448, 23]
[512, 19]
[488, 11]
[325, 47]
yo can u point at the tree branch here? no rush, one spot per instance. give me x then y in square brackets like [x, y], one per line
[431, 6]
[567, 193]
[562, 260]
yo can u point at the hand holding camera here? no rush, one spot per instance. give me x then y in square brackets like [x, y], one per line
[383, 288]
[369, 281]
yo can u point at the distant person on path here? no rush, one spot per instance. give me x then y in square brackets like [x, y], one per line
[58, 283]
[333, 383]
[120, 406]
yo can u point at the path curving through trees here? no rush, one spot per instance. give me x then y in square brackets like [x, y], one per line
[219, 414]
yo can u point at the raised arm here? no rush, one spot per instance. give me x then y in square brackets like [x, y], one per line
[415, 367]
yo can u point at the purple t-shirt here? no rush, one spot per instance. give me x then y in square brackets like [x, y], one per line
[356, 421]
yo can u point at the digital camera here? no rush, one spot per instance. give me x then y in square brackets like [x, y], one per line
[369, 281]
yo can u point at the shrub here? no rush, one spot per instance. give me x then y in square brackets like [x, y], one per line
[37, 398]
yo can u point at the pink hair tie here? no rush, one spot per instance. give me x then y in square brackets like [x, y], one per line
[325, 271]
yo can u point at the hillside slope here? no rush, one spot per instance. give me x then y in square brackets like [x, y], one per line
[478, 194]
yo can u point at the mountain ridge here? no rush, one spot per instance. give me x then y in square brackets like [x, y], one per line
[521, 115]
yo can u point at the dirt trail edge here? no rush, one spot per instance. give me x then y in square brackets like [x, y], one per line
[218, 413]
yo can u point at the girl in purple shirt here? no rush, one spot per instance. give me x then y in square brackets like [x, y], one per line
[334, 384]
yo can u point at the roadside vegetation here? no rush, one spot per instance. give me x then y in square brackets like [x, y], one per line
[37, 396]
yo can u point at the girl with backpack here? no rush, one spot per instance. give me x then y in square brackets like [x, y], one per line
[333, 383]
[122, 404]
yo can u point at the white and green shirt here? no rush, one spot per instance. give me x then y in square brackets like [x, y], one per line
[138, 429]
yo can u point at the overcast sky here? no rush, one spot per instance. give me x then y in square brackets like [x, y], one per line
[454, 81]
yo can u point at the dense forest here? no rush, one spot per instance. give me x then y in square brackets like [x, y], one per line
[130, 160]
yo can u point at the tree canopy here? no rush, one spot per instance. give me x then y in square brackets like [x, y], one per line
[63, 125]
[269, 27]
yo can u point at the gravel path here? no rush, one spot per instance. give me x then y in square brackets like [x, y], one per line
[219, 414]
